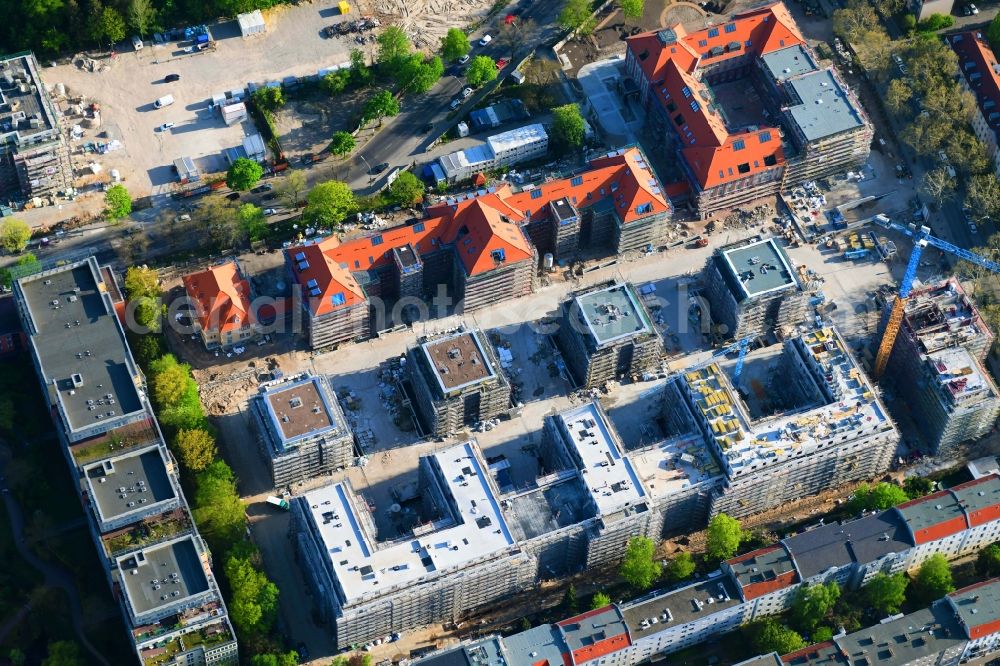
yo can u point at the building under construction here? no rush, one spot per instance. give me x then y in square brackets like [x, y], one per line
[457, 381]
[752, 291]
[834, 430]
[34, 157]
[605, 333]
[937, 366]
[303, 432]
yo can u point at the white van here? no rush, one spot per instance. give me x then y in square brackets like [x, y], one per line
[166, 100]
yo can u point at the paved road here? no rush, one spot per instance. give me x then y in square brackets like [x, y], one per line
[55, 576]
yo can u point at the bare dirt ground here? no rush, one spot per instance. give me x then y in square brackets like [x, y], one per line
[426, 21]
[306, 123]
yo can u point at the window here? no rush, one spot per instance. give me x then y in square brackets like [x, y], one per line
[739, 144]
[357, 264]
[730, 171]
[642, 209]
[748, 43]
[702, 42]
[722, 174]
[498, 255]
[781, 42]
[744, 168]
[730, 27]
[418, 227]
[713, 32]
[536, 194]
[679, 120]
[694, 106]
[686, 91]
[576, 181]
[376, 240]
[764, 136]
[338, 298]
[671, 107]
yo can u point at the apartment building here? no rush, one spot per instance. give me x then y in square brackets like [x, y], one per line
[730, 154]
[606, 333]
[981, 77]
[466, 534]
[222, 301]
[457, 381]
[937, 367]
[301, 428]
[475, 249]
[763, 582]
[836, 431]
[751, 291]
[508, 148]
[34, 156]
[127, 480]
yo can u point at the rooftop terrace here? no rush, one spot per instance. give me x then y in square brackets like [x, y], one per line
[81, 347]
[300, 409]
[163, 575]
[364, 567]
[132, 483]
[674, 464]
[759, 268]
[612, 314]
[458, 361]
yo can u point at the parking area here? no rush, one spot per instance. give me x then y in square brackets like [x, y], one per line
[126, 86]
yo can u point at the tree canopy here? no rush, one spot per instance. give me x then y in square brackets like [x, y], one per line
[988, 561]
[724, 536]
[568, 129]
[570, 602]
[196, 448]
[243, 174]
[599, 600]
[768, 635]
[886, 593]
[393, 48]
[879, 497]
[680, 567]
[632, 9]
[254, 602]
[482, 69]
[917, 486]
[169, 380]
[218, 510]
[417, 75]
[117, 202]
[25, 264]
[334, 83]
[291, 187]
[269, 98]
[380, 105]
[140, 15]
[14, 234]
[252, 221]
[342, 143]
[329, 204]
[64, 653]
[812, 603]
[141, 281]
[290, 658]
[638, 568]
[576, 15]
[406, 190]
[454, 44]
[933, 580]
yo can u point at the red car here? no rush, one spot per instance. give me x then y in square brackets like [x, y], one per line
[502, 62]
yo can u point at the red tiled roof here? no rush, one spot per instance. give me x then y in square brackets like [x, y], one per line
[976, 57]
[714, 154]
[808, 651]
[334, 287]
[221, 297]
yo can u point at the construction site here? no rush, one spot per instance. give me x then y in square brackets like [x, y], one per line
[427, 21]
[936, 367]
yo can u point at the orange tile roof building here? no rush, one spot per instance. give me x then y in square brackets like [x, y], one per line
[981, 77]
[809, 124]
[222, 305]
[481, 247]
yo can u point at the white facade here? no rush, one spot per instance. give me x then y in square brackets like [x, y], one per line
[505, 149]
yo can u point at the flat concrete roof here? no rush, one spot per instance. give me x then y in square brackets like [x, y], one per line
[674, 464]
[540, 645]
[486, 652]
[132, 483]
[612, 314]
[301, 409]
[458, 361]
[35, 103]
[163, 575]
[77, 336]
[364, 567]
[825, 109]
[759, 268]
[788, 62]
[687, 604]
[959, 378]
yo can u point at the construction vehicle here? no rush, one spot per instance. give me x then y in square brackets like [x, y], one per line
[856, 254]
[921, 238]
[278, 502]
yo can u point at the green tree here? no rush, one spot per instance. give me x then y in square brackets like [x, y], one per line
[886, 593]
[196, 449]
[568, 130]
[243, 174]
[342, 144]
[632, 9]
[117, 202]
[988, 561]
[218, 510]
[25, 265]
[983, 195]
[406, 190]
[415, 75]
[254, 602]
[908, 23]
[879, 497]
[380, 105]
[723, 538]
[108, 25]
[329, 204]
[570, 602]
[17, 657]
[574, 14]
[933, 580]
[291, 187]
[221, 218]
[334, 83]
[680, 567]
[146, 348]
[361, 73]
[599, 600]
[822, 634]
[898, 95]
[14, 234]
[853, 20]
[917, 486]
[141, 281]
[393, 48]
[287, 659]
[993, 34]
[140, 15]
[638, 567]
[454, 44]
[768, 635]
[481, 70]
[146, 312]
[811, 604]
[253, 221]
[935, 22]
[64, 653]
[169, 381]
[269, 98]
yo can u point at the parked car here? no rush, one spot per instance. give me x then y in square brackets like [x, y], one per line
[455, 103]
[170, 78]
[165, 126]
[466, 92]
[485, 40]
[427, 128]
[464, 59]
[266, 187]
[270, 196]
[137, 43]
[379, 168]
[973, 9]
[233, 196]
[502, 62]
[270, 211]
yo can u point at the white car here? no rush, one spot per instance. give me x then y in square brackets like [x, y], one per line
[137, 43]
[973, 9]
[464, 59]
[270, 211]
[466, 92]
[485, 40]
